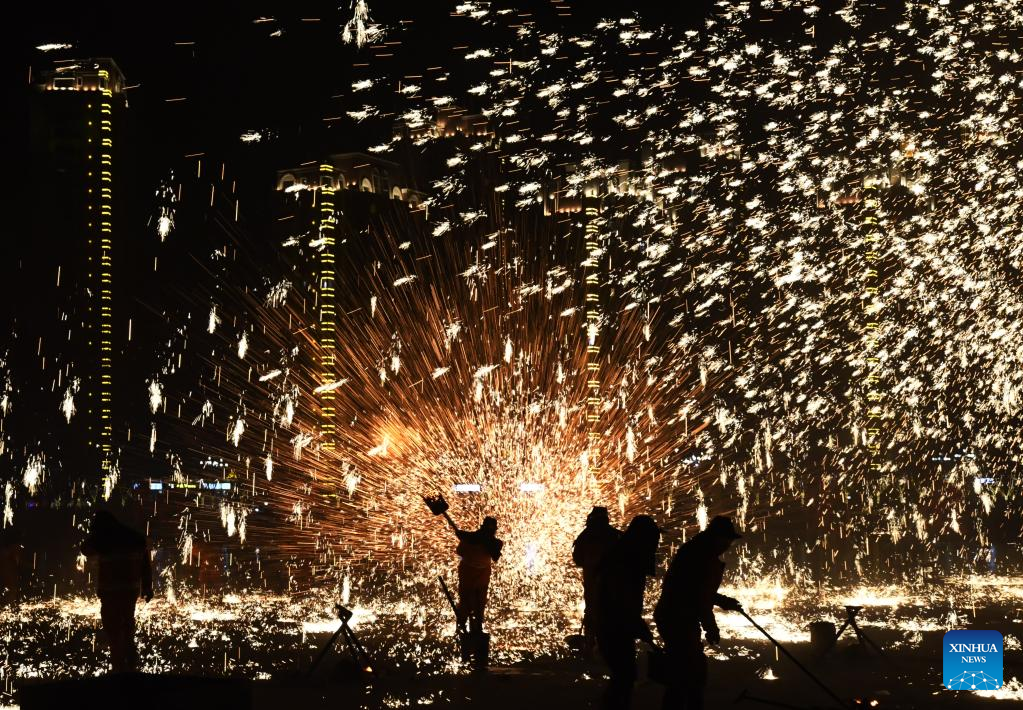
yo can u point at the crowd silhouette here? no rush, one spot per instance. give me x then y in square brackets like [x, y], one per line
[615, 566]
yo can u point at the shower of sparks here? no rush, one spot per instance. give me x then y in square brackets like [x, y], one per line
[807, 262]
[34, 474]
[166, 198]
[164, 225]
[359, 29]
[113, 475]
[155, 396]
[67, 405]
[8, 507]
[730, 187]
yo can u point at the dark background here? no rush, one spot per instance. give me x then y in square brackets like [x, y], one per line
[234, 76]
[199, 75]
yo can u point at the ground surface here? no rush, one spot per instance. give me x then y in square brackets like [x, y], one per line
[272, 641]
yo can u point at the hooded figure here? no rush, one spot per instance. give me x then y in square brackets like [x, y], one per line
[688, 597]
[123, 574]
[478, 550]
[588, 552]
[622, 579]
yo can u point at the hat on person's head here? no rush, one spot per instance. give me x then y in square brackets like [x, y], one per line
[641, 539]
[598, 515]
[722, 526]
[643, 526]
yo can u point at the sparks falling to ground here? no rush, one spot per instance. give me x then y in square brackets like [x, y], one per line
[800, 236]
[803, 259]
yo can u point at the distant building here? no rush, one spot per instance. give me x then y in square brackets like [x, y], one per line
[446, 122]
[357, 172]
[78, 111]
[326, 202]
[453, 121]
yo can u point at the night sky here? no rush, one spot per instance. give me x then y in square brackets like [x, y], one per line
[761, 259]
[204, 74]
[235, 76]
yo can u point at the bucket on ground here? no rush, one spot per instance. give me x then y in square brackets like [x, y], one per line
[822, 637]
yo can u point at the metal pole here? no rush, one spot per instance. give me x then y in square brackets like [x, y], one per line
[451, 599]
[462, 633]
[359, 651]
[815, 679]
[744, 695]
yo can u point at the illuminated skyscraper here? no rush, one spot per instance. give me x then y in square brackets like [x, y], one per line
[592, 275]
[323, 203]
[77, 116]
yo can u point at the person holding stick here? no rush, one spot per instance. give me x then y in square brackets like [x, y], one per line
[479, 549]
[688, 598]
[588, 553]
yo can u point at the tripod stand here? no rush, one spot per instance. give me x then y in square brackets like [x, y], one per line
[355, 649]
[850, 620]
[800, 666]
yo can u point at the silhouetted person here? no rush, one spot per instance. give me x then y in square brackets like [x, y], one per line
[622, 579]
[479, 550]
[688, 597]
[588, 552]
[10, 567]
[123, 574]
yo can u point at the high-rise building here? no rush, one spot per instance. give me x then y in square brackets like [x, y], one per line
[77, 117]
[325, 202]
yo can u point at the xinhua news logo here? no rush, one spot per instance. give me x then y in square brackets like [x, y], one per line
[972, 660]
